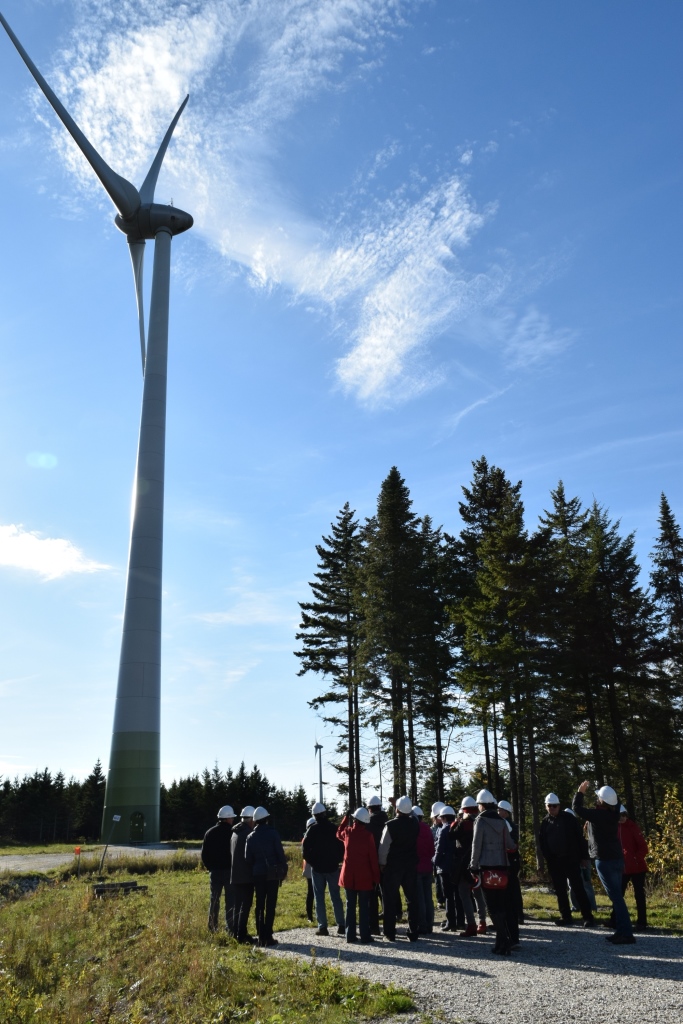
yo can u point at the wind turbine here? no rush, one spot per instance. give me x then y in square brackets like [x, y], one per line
[132, 793]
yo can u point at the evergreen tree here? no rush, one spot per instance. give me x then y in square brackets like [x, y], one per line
[667, 583]
[329, 636]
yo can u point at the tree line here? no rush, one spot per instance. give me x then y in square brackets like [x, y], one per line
[43, 807]
[546, 642]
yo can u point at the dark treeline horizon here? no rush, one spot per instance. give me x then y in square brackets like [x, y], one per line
[544, 641]
[44, 808]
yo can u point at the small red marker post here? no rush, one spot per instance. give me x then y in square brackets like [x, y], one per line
[77, 853]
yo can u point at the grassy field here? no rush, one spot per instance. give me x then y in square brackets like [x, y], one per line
[149, 959]
[67, 958]
[664, 909]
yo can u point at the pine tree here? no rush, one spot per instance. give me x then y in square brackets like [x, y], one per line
[389, 601]
[329, 636]
[667, 583]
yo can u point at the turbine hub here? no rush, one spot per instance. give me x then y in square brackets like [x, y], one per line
[152, 217]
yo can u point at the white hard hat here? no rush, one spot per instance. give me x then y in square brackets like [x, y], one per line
[247, 812]
[374, 801]
[608, 796]
[467, 801]
[226, 812]
[404, 805]
[505, 805]
[318, 808]
[484, 797]
[437, 808]
[447, 811]
[362, 814]
[552, 798]
[622, 810]
[311, 821]
[260, 813]
[417, 811]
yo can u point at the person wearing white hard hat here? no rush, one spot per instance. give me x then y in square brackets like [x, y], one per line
[359, 874]
[378, 819]
[634, 846]
[604, 846]
[266, 857]
[425, 855]
[505, 812]
[436, 826]
[398, 861]
[240, 874]
[445, 864]
[324, 852]
[463, 833]
[216, 858]
[562, 844]
[307, 873]
[491, 844]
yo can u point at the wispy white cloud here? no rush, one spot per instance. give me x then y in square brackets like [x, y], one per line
[524, 340]
[391, 276]
[49, 557]
[454, 421]
[248, 605]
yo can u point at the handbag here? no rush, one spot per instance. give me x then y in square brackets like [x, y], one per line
[494, 878]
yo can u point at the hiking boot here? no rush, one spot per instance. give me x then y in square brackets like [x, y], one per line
[322, 930]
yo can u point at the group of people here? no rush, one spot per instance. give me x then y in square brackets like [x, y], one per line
[471, 854]
[245, 860]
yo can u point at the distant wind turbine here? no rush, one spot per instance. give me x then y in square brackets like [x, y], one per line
[132, 792]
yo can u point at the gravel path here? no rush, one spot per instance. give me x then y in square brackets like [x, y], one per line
[558, 976]
[46, 861]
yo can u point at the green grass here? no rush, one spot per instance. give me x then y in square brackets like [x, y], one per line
[18, 849]
[67, 958]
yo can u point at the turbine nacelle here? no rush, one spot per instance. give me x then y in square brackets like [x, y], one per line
[152, 217]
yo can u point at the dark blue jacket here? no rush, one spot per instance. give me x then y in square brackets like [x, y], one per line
[444, 858]
[216, 847]
[240, 873]
[263, 849]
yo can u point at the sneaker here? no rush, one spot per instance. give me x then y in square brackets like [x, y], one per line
[341, 930]
[481, 928]
[322, 930]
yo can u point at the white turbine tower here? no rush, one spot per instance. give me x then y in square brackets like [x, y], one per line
[132, 793]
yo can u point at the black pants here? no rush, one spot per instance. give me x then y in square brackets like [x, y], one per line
[220, 882]
[375, 901]
[393, 879]
[563, 870]
[266, 901]
[500, 904]
[638, 882]
[244, 897]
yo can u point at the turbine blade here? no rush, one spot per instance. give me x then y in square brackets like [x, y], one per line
[122, 193]
[137, 258]
[150, 182]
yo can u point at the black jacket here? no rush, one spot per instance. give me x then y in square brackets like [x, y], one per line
[378, 820]
[240, 873]
[216, 847]
[603, 829]
[263, 850]
[321, 848]
[561, 837]
[398, 848]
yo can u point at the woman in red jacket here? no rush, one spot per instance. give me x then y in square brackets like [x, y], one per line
[359, 872]
[634, 845]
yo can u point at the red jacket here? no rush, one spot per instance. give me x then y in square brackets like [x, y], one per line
[360, 867]
[634, 846]
[425, 849]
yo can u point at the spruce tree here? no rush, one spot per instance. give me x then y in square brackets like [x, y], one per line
[329, 635]
[667, 583]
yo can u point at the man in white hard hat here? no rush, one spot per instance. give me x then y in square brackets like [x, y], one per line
[491, 843]
[463, 834]
[266, 857]
[564, 848]
[240, 874]
[378, 819]
[605, 847]
[324, 852]
[436, 826]
[217, 859]
[398, 862]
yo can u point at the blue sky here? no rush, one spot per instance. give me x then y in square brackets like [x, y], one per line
[424, 231]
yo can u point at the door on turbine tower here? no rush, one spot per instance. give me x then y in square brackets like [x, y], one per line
[137, 827]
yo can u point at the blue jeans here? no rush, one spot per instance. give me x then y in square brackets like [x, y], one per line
[331, 880]
[425, 903]
[610, 873]
[363, 899]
